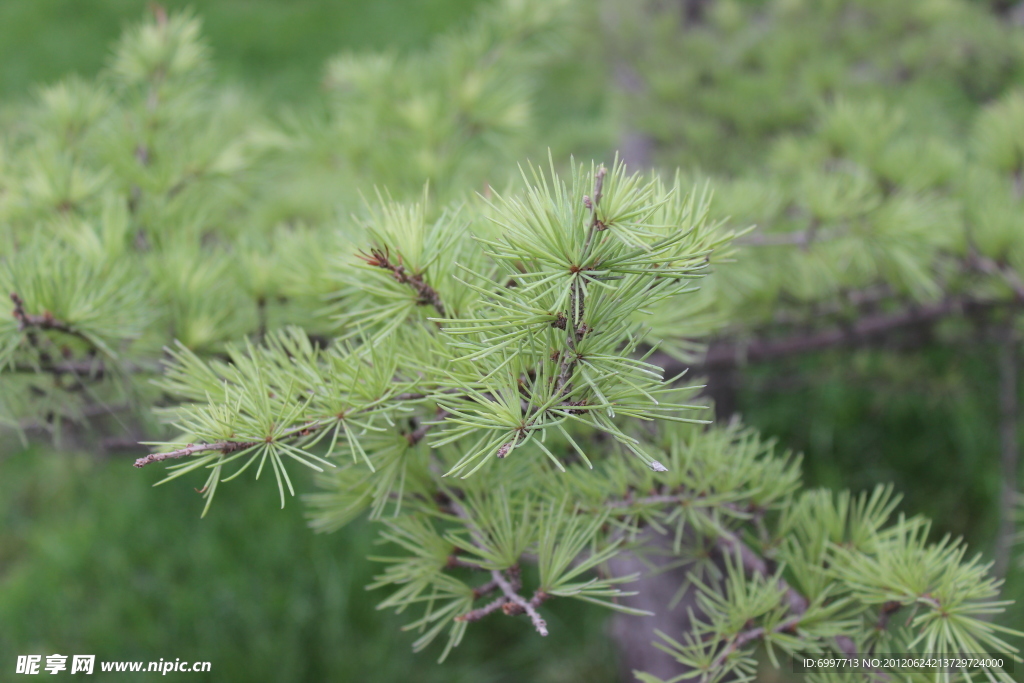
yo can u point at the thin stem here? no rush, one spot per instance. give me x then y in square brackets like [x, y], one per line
[525, 605]
[480, 613]
[592, 202]
[192, 449]
[299, 431]
[227, 446]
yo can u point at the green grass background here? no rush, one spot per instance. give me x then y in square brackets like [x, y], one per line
[277, 46]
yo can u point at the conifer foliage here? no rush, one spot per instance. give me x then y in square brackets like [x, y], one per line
[477, 370]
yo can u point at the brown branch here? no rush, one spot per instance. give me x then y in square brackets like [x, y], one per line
[480, 613]
[418, 434]
[224, 447]
[569, 360]
[427, 294]
[727, 544]
[865, 330]
[753, 564]
[93, 368]
[44, 321]
[885, 612]
[227, 446]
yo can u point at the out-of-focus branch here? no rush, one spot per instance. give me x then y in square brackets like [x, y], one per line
[988, 266]
[93, 368]
[44, 321]
[868, 329]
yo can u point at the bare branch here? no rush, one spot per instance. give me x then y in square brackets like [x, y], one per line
[227, 446]
[522, 603]
[222, 446]
[480, 613]
[865, 330]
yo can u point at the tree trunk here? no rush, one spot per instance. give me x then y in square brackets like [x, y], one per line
[634, 636]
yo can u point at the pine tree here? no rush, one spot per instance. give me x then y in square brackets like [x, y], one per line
[479, 367]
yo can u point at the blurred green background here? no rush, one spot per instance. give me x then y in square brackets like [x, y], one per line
[94, 561]
[276, 46]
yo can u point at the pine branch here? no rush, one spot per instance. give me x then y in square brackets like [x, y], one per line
[511, 603]
[427, 294]
[224, 447]
[750, 635]
[300, 431]
[44, 321]
[731, 545]
[514, 598]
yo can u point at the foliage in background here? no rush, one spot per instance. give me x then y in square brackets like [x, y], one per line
[878, 165]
